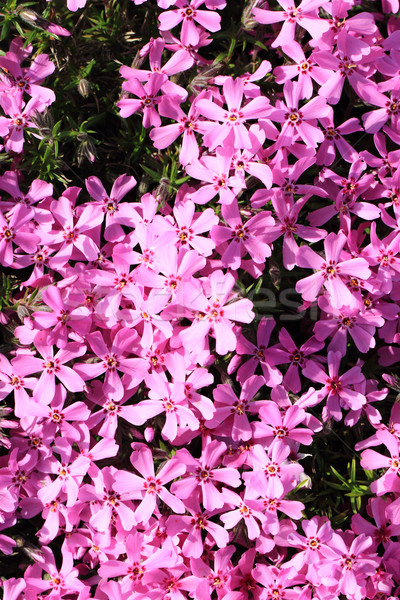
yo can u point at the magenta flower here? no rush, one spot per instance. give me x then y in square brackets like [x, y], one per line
[298, 358]
[74, 239]
[194, 525]
[360, 325]
[352, 565]
[180, 61]
[215, 171]
[213, 579]
[28, 80]
[384, 255]
[274, 578]
[187, 125]
[248, 510]
[168, 398]
[139, 568]
[57, 416]
[305, 69]
[374, 120]
[12, 379]
[272, 471]
[287, 213]
[382, 530]
[12, 128]
[313, 547]
[60, 581]
[189, 226]
[63, 320]
[343, 66]
[68, 480]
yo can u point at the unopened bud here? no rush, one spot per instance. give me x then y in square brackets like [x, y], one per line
[201, 80]
[86, 150]
[248, 20]
[84, 88]
[28, 15]
[32, 18]
[149, 434]
[44, 122]
[162, 191]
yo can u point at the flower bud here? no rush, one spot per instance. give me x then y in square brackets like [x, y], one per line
[84, 88]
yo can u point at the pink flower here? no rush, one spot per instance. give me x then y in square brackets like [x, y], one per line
[297, 357]
[116, 214]
[233, 131]
[352, 565]
[262, 355]
[51, 366]
[370, 459]
[272, 473]
[280, 427]
[230, 416]
[250, 237]
[306, 15]
[12, 128]
[112, 360]
[330, 272]
[148, 99]
[15, 230]
[194, 525]
[187, 125]
[299, 122]
[215, 171]
[304, 68]
[248, 510]
[205, 475]
[338, 388]
[149, 486]
[217, 313]
[168, 398]
[186, 13]
[75, 236]
[63, 319]
[28, 79]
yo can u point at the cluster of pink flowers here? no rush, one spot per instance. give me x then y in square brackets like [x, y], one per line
[131, 307]
[21, 92]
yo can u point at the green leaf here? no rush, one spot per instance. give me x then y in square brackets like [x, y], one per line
[156, 176]
[4, 31]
